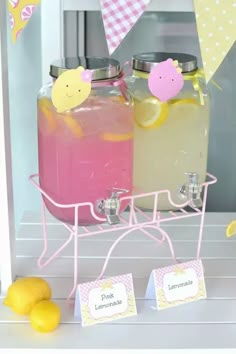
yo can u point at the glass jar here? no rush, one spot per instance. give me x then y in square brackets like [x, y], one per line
[86, 152]
[171, 138]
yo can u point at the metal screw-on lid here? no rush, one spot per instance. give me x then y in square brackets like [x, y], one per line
[146, 61]
[102, 68]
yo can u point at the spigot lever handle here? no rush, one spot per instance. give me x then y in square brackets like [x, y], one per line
[111, 206]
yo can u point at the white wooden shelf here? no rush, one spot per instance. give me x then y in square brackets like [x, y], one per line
[206, 326]
[155, 5]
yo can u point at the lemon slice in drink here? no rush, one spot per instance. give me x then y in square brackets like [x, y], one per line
[117, 137]
[231, 229]
[73, 126]
[119, 98]
[46, 107]
[150, 113]
[181, 101]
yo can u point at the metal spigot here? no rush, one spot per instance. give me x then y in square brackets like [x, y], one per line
[192, 190]
[111, 206]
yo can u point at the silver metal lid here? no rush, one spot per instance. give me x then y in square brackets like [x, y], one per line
[146, 61]
[102, 68]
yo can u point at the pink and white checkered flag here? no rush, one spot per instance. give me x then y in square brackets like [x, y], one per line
[119, 16]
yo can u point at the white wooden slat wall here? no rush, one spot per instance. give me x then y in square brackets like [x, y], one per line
[7, 253]
[52, 34]
[24, 67]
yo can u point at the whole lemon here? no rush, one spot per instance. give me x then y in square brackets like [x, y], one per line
[24, 293]
[45, 316]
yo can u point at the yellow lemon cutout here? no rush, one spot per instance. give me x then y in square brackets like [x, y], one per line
[150, 113]
[71, 89]
[231, 229]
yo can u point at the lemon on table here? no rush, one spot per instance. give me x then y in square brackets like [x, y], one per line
[45, 316]
[231, 229]
[24, 293]
[150, 113]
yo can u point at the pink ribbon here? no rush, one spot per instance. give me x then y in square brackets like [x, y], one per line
[114, 82]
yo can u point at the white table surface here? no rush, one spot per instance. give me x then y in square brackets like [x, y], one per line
[207, 325]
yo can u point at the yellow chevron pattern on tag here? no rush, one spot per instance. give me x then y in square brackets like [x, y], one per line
[20, 11]
[216, 24]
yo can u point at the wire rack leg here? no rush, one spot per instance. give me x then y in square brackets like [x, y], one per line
[40, 262]
[150, 235]
[163, 233]
[55, 254]
[45, 241]
[76, 234]
[172, 251]
[75, 268]
[202, 221]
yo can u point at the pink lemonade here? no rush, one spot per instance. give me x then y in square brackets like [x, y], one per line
[84, 154]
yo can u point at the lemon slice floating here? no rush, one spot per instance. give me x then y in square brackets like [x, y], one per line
[73, 126]
[117, 137]
[150, 113]
[46, 107]
[182, 101]
[231, 229]
[119, 99]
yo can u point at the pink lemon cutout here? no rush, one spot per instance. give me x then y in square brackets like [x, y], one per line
[165, 80]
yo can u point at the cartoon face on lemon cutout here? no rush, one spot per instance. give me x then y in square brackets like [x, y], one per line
[165, 80]
[71, 89]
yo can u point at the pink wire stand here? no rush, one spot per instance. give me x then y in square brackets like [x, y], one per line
[137, 220]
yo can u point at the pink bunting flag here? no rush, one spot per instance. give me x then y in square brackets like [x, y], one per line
[119, 16]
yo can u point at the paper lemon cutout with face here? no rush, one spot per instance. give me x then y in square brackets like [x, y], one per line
[165, 80]
[71, 89]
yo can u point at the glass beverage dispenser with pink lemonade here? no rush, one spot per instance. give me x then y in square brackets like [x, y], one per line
[85, 136]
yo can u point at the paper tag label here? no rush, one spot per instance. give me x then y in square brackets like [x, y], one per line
[177, 284]
[105, 300]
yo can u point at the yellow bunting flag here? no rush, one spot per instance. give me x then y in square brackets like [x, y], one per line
[20, 11]
[216, 23]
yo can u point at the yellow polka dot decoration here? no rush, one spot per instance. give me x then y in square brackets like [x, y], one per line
[216, 24]
[20, 11]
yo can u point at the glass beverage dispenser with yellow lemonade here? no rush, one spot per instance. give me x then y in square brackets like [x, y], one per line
[171, 124]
